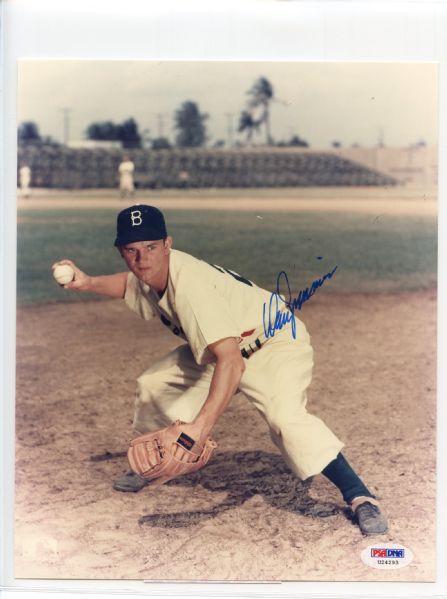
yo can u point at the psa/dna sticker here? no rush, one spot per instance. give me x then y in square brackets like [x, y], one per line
[387, 556]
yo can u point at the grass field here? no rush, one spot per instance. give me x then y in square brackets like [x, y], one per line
[381, 253]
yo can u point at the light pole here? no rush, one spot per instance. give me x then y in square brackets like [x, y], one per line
[161, 122]
[66, 123]
[230, 116]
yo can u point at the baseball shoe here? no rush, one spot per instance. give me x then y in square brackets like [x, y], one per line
[370, 519]
[130, 483]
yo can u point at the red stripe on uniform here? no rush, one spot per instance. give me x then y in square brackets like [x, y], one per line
[247, 333]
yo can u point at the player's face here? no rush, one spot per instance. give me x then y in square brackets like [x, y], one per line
[149, 261]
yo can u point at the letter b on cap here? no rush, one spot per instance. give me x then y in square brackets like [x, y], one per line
[135, 215]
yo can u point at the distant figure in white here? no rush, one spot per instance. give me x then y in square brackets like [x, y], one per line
[126, 170]
[183, 179]
[25, 180]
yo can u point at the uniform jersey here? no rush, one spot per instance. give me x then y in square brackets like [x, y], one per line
[202, 303]
[25, 176]
[126, 170]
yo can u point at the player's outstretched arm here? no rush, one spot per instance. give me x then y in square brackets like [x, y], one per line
[110, 285]
[227, 375]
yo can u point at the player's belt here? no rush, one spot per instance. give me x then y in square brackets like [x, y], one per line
[253, 346]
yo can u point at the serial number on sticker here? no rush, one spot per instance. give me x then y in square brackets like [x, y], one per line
[388, 562]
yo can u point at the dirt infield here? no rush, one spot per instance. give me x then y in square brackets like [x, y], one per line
[370, 200]
[244, 517]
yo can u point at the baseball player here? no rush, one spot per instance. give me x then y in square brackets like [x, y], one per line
[25, 180]
[219, 314]
[126, 170]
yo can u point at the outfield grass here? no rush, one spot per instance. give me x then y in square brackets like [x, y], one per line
[386, 254]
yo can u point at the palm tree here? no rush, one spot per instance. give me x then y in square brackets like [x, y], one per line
[246, 123]
[261, 95]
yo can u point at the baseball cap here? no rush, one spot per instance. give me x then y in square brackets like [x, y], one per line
[140, 223]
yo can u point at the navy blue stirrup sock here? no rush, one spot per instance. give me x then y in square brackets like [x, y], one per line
[340, 473]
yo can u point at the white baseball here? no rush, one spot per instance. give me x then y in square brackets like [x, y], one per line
[63, 274]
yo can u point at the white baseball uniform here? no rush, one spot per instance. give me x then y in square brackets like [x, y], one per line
[203, 304]
[126, 170]
[25, 180]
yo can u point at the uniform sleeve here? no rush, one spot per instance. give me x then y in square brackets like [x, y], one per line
[136, 300]
[204, 315]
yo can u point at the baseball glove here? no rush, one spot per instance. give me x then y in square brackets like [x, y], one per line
[167, 453]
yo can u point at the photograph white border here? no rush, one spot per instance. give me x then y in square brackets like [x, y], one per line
[199, 30]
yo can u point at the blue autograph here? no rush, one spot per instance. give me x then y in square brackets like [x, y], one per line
[281, 318]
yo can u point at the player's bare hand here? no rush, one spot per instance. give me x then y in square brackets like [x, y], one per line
[80, 281]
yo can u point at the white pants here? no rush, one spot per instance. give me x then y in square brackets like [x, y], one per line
[275, 381]
[24, 189]
[126, 182]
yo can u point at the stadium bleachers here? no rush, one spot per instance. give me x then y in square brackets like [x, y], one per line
[70, 168]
